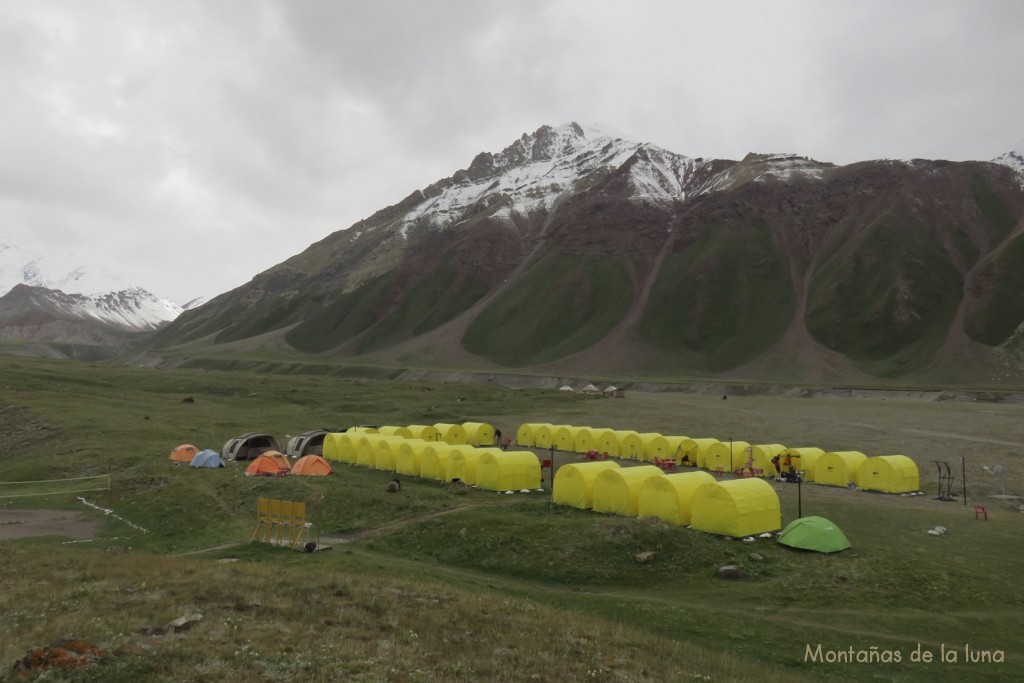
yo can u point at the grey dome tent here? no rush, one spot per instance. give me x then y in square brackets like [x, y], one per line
[249, 446]
[307, 443]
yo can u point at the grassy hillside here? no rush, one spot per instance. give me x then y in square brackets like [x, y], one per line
[435, 586]
[885, 297]
[428, 303]
[1000, 307]
[723, 300]
[332, 322]
[560, 306]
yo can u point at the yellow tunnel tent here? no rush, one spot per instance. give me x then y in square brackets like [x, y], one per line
[583, 439]
[526, 435]
[451, 433]
[391, 430]
[727, 456]
[646, 440]
[802, 459]
[603, 441]
[366, 449]
[617, 491]
[664, 448]
[479, 433]
[562, 437]
[425, 432]
[434, 461]
[507, 470]
[574, 483]
[736, 507]
[409, 455]
[363, 450]
[462, 461]
[543, 435]
[363, 430]
[629, 444]
[694, 451]
[759, 458]
[670, 498]
[838, 468]
[338, 446]
[385, 450]
[889, 474]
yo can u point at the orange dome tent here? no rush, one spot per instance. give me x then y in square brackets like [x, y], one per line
[184, 453]
[269, 464]
[312, 465]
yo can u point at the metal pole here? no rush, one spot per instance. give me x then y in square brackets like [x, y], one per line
[551, 463]
[963, 475]
[799, 494]
[731, 470]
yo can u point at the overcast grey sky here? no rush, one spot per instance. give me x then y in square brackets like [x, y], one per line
[189, 145]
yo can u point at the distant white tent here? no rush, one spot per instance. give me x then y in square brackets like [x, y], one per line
[610, 390]
[590, 389]
[566, 388]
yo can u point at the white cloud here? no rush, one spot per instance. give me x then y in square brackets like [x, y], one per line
[219, 138]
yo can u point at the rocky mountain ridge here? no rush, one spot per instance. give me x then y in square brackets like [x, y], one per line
[571, 249]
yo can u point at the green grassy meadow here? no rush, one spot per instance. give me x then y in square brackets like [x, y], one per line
[432, 585]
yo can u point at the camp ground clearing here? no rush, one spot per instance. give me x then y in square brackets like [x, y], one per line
[431, 584]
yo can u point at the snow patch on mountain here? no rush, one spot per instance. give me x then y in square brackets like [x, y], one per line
[133, 308]
[1015, 160]
[84, 293]
[539, 169]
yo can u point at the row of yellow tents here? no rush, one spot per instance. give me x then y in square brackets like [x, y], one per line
[886, 473]
[388, 448]
[733, 507]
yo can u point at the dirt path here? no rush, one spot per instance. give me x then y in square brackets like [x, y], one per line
[359, 534]
[393, 524]
[24, 523]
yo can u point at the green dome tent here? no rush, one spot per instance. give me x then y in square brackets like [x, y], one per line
[814, 533]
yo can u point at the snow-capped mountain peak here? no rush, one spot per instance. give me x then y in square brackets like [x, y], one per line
[87, 294]
[540, 168]
[1014, 159]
